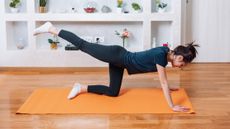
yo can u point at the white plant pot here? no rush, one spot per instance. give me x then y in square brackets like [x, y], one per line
[119, 10]
[14, 10]
[137, 11]
[161, 10]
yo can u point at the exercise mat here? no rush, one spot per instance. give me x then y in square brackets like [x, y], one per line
[130, 101]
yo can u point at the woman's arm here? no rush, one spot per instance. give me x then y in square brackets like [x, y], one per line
[165, 87]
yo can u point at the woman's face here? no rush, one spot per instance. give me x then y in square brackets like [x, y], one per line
[178, 61]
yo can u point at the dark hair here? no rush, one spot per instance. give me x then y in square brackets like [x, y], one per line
[188, 51]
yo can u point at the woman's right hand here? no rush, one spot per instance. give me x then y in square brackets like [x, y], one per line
[178, 108]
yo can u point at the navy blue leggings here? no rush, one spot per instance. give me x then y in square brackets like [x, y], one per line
[114, 55]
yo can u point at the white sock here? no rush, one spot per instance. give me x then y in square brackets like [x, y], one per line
[75, 91]
[43, 28]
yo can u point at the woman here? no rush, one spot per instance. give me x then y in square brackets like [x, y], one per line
[152, 60]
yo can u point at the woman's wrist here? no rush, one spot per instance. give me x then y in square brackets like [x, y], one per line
[171, 105]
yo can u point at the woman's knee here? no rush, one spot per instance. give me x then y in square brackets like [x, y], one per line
[112, 94]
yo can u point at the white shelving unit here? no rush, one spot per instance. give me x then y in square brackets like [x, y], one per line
[144, 27]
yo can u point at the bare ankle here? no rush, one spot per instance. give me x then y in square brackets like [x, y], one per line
[53, 30]
[84, 88]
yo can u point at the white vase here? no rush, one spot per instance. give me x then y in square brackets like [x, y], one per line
[161, 10]
[137, 11]
[119, 10]
[20, 43]
[154, 43]
[14, 10]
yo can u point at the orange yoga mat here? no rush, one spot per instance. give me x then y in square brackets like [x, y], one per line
[134, 100]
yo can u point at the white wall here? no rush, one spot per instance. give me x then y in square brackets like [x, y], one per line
[208, 23]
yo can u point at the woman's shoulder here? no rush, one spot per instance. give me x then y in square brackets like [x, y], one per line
[162, 49]
[154, 51]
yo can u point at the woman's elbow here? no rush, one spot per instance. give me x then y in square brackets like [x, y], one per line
[164, 84]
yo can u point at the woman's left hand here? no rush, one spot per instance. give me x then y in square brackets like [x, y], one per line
[179, 108]
[173, 89]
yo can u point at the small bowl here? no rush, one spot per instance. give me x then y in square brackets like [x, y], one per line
[90, 10]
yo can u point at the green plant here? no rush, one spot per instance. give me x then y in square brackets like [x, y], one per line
[160, 4]
[53, 43]
[136, 6]
[42, 3]
[54, 40]
[14, 3]
[119, 3]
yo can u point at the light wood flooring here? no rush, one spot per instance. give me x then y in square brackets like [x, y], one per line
[207, 85]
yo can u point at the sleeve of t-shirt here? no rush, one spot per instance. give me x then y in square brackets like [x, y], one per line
[160, 59]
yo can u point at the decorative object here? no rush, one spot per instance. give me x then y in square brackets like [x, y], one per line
[154, 43]
[20, 43]
[90, 7]
[126, 11]
[42, 6]
[124, 36]
[161, 7]
[53, 42]
[70, 47]
[119, 6]
[105, 9]
[73, 10]
[136, 7]
[165, 44]
[14, 6]
[90, 10]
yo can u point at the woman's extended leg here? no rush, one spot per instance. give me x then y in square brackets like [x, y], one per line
[110, 54]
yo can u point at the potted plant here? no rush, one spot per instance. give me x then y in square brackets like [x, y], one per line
[53, 42]
[161, 6]
[119, 6]
[124, 36]
[42, 6]
[14, 6]
[136, 7]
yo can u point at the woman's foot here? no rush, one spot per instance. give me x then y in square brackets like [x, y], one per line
[76, 90]
[43, 28]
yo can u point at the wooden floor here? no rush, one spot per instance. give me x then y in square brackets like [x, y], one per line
[208, 86]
